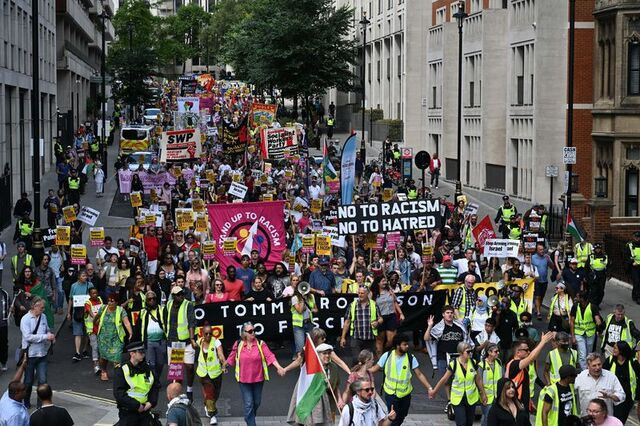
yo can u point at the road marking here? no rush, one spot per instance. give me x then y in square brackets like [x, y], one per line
[87, 396]
[633, 422]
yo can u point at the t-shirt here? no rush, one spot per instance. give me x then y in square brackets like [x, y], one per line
[399, 361]
[79, 289]
[565, 399]
[448, 342]
[154, 331]
[259, 296]
[51, 415]
[234, 289]
[177, 414]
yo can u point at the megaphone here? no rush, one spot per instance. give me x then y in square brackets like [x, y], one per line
[304, 288]
[492, 301]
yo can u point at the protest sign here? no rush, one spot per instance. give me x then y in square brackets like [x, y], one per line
[499, 247]
[238, 190]
[48, 237]
[229, 246]
[491, 289]
[379, 242]
[267, 197]
[483, 232]
[136, 199]
[393, 240]
[336, 239]
[370, 241]
[234, 137]
[308, 243]
[275, 141]
[63, 235]
[262, 114]
[198, 205]
[152, 180]
[316, 206]
[88, 215]
[69, 214]
[529, 241]
[323, 245]
[470, 209]
[389, 217]
[202, 224]
[208, 249]
[188, 104]
[176, 361]
[387, 194]
[78, 254]
[96, 237]
[184, 218]
[180, 145]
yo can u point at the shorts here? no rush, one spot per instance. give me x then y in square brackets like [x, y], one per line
[540, 289]
[189, 353]
[389, 323]
[78, 328]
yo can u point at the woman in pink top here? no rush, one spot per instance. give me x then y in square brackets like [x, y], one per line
[251, 358]
[198, 273]
[218, 294]
[597, 409]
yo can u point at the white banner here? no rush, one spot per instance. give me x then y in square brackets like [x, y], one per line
[336, 239]
[189, 104]
[88, 215]
[238, 190]
[501, 248]
[180, 145]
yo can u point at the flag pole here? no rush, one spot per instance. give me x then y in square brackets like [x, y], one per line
[326, 378]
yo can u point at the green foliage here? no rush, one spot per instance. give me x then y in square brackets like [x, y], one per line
[375, 114]
[395, 127]
[299, 46]
[226, 15]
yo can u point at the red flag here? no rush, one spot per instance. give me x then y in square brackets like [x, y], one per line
[483, 232]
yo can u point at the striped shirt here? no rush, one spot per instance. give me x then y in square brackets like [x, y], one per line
[448, 275]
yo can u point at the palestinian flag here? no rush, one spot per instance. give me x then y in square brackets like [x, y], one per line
[311, 383]
[573, 228]
[328, 171]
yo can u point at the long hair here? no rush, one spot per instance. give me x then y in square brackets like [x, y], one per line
[503, 399]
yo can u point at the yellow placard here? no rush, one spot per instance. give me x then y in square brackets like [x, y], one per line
[184, 219]
[308, 242]
[208, 249]
[288, 174]
[229, 246]
[267, 197]
[264, 178]
[177, 355]
[211, 177]
[150, 220]
[202, 224]
[489, 289]
[78, 251]
[370, 241]
[387, 194]
[136, 199]
[316, 206]
[153, 196]
[323, 245]
[193, 183]
[63, 235]
[198, 205]
[96, 234]
[177, 171]
[427, 250]
[69, 214]
[237, 177]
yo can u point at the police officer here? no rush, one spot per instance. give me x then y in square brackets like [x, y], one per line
[634, 260]
[582, 251]
[597, 263]
[73, 188]
[504, 215]
[58, 150]
[135, 388]
[24, 231]
[514, 228]
[330, 123]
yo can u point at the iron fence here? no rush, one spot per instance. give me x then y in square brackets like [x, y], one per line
[618, 253]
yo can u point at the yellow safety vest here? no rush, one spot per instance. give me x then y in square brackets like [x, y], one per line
[130, 306]
[330, 122]
[598, 263]
[533, 375]
[26, 228]
[394, 384]
[554, 300]
[463, 383]
[396, 155]
[373, 315]
[555, 362]
[507, 213]
[94, 146]
[490, 377]
[209, 365]
[584, 323]
[519, 308]
[552, 418]
[143, 321]
[27, 261]
[139, 384]
[515, 232]
[74, 183]
[88, 319]
[462, 310]
[297, 319]
[183, 322]
[625, 336]
[118, 321]
[635, 253]
[632, 376]
[582, 253]
[265, 366]
[412, 194]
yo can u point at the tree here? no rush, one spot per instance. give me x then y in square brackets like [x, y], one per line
[299, 46]
[226, 14]
[132, 57]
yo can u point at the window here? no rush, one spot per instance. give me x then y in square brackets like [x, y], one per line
[378, 70]
[441, 15]
[434, 94]
[633, 85]
[399, 65]
[631, 192]
[388, 68]
[633, 153]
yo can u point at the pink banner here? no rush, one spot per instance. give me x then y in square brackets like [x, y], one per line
[257, 226]
[149, 180]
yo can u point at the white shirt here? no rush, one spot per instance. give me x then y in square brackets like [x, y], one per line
[463, 266]
[528, 269]
[482, 337]
[588, 388]
[371, 417]
[315, 191]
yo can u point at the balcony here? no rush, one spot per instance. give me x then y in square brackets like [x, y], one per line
[96, 8]
[73, 12]
[96, 43]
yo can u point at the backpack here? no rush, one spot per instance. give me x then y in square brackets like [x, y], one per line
[351, 412]
[192, 417]
[409, 354]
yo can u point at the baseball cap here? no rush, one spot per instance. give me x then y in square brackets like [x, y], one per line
[177, 290]
[446, 258]
[573, 260]
[323, 260]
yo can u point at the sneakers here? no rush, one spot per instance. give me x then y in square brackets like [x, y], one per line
[96, 370]
[77, 357]
[206, 412]
[213, 420]
[85, 355]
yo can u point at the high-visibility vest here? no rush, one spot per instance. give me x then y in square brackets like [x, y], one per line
[94, 146]
[330, 121]
[139, 384]
[394, 383]
[632, 375]
[543, 223]
[265, 366]
[555, 362]
[88, 319]
[117, 319]
[462, 310]
[519, 308]
[554, 300]
[396, 155]
[552, 419]
[598, 263]
[464, 383]
[209, 365]
[159, 311]
[582, 253]
[468, 236]
[27, 261]
[412, 194]
[373, 315]
[625, 336]
[490, 377]
[74, 183]
[297, 319]
[507, 213]
[183, 322]
[515, 232]
[533, 375]
[635, 254]
[26, 228]
[584, 323]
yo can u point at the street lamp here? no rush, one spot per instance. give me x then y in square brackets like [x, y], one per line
[363, 22]
[103, 131]
[37, 247]
[460, 16]
[601, 187]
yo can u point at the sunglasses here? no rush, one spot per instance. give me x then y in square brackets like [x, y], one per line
[370, 389]
[250, 331]
[469, 351]
[151, 298]
[208, 334]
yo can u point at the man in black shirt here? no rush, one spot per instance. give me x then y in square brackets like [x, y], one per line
[563, 395]
[49, 414]
[506, 324]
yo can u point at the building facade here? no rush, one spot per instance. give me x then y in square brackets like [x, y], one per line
[514, 93]
[15, 91]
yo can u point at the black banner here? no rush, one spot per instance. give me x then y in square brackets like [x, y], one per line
[388, 217]
[273, 319]
[234, 137]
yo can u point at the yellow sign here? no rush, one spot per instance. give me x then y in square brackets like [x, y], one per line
[184, 218]
[136, 199]
[490, 289]
[208, 249]
[63, 235]
[202, 224]
[370, 241]
[308, 243]
[288, 174]
[69, 214]
[211, 177]
[323, 245]
[177, 355]
[96, 236]
[267, 197]
[316, 206]
[78, 254]
[237, 177]
[229, 246]
[427, 250]
[150, 220]
[198, 205]
[387, 194]
[154, 196]
[177, 171]
[264, 178]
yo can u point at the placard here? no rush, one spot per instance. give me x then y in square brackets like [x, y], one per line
[63, 235]
[471, 209]
[316, 206]
[184, 218]
[336, 239]
[180, 145]
[308, 243]
[323, 245]
[136, 199]
[238, 190]
[88, 215]
[229, 246]
[202, 224]
[78, 254]
[198, 205]
[79, 300]
[208, 249]
[267, 197]
[388, 217]
[69, 214]
[176, 361]
[529, 242]
[370, 241]
[275, 141]
[501, 247]
[387, 194]
[96, 237]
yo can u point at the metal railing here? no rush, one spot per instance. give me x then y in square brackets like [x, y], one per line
[618, 253]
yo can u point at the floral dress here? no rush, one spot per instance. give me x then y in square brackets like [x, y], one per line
[109, 344]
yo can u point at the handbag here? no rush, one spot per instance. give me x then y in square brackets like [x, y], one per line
[20, 351]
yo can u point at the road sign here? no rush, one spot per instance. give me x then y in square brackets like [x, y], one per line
[422, 160]
[551, 171]
[569, 155]
[406, 153]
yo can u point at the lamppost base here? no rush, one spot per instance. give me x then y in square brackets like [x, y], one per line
[37, 246]
[458, 191]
